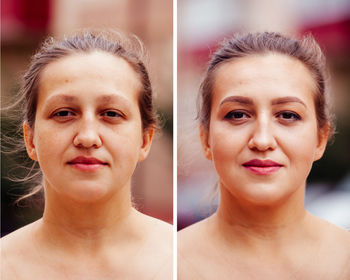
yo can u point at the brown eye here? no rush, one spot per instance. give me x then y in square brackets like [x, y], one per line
[111, 114]
[63, 113]
[236, 115]
[290, 116]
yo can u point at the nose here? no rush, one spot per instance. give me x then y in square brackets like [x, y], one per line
[87, 135]
[262, 138]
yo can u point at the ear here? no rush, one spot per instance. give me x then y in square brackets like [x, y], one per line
[147, 137]
[29, 141]
[322, 141]
[204, 135]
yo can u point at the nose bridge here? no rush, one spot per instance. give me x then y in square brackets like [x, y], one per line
[87, 123]
[263, 137]
[87, 134]
[263, 127]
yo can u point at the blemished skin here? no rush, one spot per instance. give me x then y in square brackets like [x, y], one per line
[263, 138]
[88, 139]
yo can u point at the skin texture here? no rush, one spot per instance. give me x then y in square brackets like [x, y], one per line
[261, 229]
[88, 106]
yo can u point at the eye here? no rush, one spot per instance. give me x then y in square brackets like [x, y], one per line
[112, 115]
[63, 113]
[288, 116]
[237, 115]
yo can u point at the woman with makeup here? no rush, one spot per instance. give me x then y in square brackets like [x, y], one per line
[264, 119]
[88, 120]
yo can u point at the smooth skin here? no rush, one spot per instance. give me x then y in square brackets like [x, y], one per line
[88, 106]
[263, 108]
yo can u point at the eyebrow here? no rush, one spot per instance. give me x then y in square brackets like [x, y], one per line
[237, 99]
[104, 98]
[62, 98]
[108, 98]
[288, 99]
[249, 101]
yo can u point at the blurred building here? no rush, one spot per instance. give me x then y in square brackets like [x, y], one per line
[24, 25]
[201, 25]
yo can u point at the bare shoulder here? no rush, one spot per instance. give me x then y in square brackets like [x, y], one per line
[335, 249]
[335, 236]
[193, 250]
[157, 230]
[189, 236]
[16, 248]
[15, 241]
[157, 254]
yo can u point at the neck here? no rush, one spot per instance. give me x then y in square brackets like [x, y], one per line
[86, 225]
[251, 223]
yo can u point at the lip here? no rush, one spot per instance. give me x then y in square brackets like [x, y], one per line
[88, 164]
[262, 167]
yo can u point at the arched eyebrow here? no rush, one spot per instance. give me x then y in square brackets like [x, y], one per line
[249, 101]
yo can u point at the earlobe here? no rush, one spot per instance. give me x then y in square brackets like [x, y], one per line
[322, 142]
[29, 141]
[147, 137]
[204, 135]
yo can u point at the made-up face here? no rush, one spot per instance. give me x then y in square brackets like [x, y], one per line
[88, 133]
[263, 135]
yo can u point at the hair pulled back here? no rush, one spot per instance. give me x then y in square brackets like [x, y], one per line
[128, 47]
[305, 50]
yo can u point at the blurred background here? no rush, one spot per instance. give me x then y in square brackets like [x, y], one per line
[25, 23]
[201, 24]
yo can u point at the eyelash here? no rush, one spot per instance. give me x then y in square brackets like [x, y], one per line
[116, 114]
[239, 115]
[291, 116]
[67, 114]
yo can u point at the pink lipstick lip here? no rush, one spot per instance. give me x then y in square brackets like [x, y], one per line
[262, 167]
[86, 163]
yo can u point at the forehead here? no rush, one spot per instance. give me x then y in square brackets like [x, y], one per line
[265, 75]
[96, 71]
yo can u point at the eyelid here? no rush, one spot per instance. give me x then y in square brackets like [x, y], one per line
[296, 116]
[241, 118]
[54, 113]
[118, 112]
[238, 111]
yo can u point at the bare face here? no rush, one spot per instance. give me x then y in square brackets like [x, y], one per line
[263, 135]
[88, 133]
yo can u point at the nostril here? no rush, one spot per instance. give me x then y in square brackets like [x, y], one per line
[87, 140]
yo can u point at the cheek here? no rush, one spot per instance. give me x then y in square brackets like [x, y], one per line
[300, 148]
[226, 144]
[49, 142]
[124, 144]
[300, 143]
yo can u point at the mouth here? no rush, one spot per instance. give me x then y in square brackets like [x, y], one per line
[87, 163]
[262, 167]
